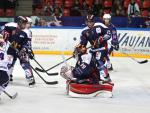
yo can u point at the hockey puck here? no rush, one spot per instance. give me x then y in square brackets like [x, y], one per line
[74, 38]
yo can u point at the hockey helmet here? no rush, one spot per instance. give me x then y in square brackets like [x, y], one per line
[106, 16]
[29, 20]
[9, 27]
[21, 19]
[90, 18]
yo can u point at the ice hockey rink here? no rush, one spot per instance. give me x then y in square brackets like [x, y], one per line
[131, 91]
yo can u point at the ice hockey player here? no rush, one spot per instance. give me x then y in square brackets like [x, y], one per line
[4, 61]
[113, 41]
[23, 49]
[97, 35]
[84, 71]
[29, 32]
[8, 33]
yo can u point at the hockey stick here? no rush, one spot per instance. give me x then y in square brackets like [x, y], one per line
[49, 83]
[51, 74]
[11, 96]
[41, 70]
[140, 62]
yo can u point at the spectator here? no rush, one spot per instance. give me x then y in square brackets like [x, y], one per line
[35, 20]
[147, 21]
[48, 9]
[56, 17]
[133, 8]
[76, 9]
[85, 8]
[54, 22]
[37, 5]
[58, 6]
[57, 13]
[120, 11]
[43, 22]
[117, 9]
[97, 7]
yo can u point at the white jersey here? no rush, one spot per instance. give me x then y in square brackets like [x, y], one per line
[4, 59]
[29, 34]
[86, 58]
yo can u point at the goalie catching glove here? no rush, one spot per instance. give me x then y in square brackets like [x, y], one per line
[66, 72]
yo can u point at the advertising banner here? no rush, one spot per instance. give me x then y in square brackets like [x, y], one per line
[54, 41]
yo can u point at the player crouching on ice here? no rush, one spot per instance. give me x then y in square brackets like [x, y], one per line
[83, 79]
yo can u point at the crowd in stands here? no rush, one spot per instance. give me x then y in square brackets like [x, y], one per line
[98, 7]
[117, 8]
[50, 12]
[7, 7]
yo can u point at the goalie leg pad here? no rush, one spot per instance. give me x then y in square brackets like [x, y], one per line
[90, 90]
[66, 72]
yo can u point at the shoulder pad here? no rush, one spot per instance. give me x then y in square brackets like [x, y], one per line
[100, 24]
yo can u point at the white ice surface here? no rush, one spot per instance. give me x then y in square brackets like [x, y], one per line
[131, 91]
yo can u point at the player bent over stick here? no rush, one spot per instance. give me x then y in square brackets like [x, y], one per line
[21, 49]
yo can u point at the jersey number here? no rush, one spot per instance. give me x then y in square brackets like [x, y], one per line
[1, 56]
[83, 66]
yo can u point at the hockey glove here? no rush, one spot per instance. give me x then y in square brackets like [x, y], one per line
[22, 54]
[115, 45]
[31, 54]
[92, 50]
[106, 37]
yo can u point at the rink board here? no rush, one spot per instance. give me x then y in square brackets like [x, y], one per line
[133, 42]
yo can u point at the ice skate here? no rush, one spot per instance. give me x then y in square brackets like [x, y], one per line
[31, 82]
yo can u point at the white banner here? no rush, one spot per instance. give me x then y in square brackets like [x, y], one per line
[55, 39]
[134, 41]
[131, 41]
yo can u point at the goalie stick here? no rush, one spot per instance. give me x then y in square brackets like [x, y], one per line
[51, 74]
[49, 83]
[11, 96]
